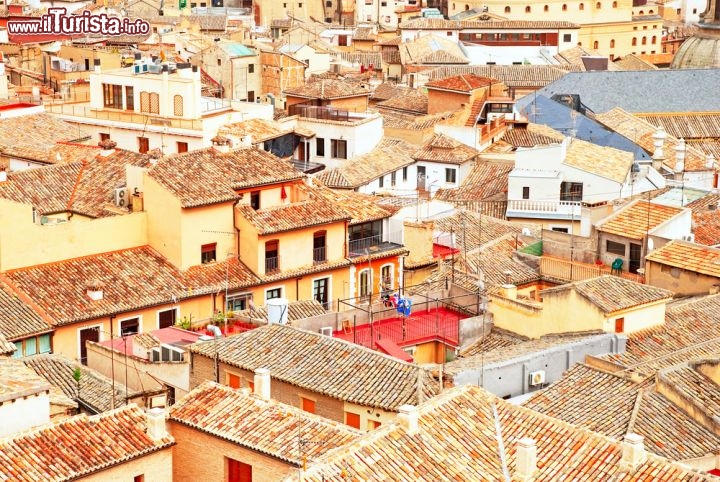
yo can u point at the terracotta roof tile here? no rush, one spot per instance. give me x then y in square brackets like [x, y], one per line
[412, 101]
[688, 256]
[349, 372]
[360, 207]
[6, 347]
[78, 446]
[492, 24]
[531, 136]
[399, 120]
[297, 310]
[461, 83]
[432, 49]
[486, 180]
[457, 439]
[59, 289]
[328, 89]
[18, 381]
[266, 426]
[34, 136]
[633, 62]
[510, 75]
[638, 218]
[444, 149]
[17, 319]
[206, 176]
[687, 125]
[706, 227]
[259, 130]
[603, 161]
[388, 90]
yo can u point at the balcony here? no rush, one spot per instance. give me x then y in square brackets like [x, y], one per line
[319, 255]
[272, 264]
[324, 113]
[527, 208]
[370, 245]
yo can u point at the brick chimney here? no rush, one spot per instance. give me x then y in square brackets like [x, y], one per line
[525, 459]
[107, 147]
[221, 144]
[633, 452]
[408, 418]
[95, 290]
[156, 424]
[262, 383]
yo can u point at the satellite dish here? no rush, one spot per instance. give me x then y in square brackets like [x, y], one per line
[651, 244]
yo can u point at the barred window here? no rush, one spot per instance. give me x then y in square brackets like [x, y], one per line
[144, 102]
[178, 105]
[154, 103]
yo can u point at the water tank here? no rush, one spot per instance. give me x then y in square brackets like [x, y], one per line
[277, 309]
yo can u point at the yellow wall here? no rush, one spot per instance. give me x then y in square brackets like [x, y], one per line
[156, 467]
[23, 243]
[367, 414]
[431, 352]
[206, 225]
[678, 280]
[164, 220]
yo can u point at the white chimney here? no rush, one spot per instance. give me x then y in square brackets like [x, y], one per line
[509, 291]
[408, 418]
[710, 161]
[107, 147]
[680, 159]
[525, 459]
[658, 141]
[95, 291]
[156, 424]
[3, 175]
[221, 144]
[633, 452]
[262, 383]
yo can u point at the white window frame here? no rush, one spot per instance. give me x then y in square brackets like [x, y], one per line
[120, 320]
[330, 279]
[265, 292]
[88, 327]
[392, 274]
[369, 284]
[157, 315]
[243, 294]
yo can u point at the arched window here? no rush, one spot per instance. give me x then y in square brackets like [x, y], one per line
[595, 45]
[612, 43]
[582, 6]
[507, 9]
[154, 103]
[650, 12]
[467, 7]
[598, 6]
[614, 4]
[527, 9]
[564, 7]
[641, 12]
[364, 282]
[178, 105]
[546, 8]
[579, 44]
[634, 41]
[644, 40]
[654, 40]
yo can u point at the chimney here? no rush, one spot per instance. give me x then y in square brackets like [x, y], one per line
[3, 175]
[107, 147]
[509, 291]
[262, 383]
[710, 161]
[221, 144]
[658, 141]
[525, 459]
[633, 452]
[96, 65]
[154, 155]
[156, 424]
[94, 290]
[408, 418]
[680, 160]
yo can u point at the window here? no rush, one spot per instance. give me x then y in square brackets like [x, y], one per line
[182, 147]
[612, 43]
[654, 40]
[129, 98]
[528, 9]
[129, 327]
[233, 381]
[255, 200]
[238, 471]
[251, 96]
[507, 9]
[274, 293]
[154, 103]
[450, 175]
[44, 343]
[85, 335]
[634, 41]
[598, 5]
[342, 40]
[546, 8]
[251, 68]
[321, 291]
[644, 41]
[139, 478]
[405, 171]
[571, 191]
[365, 282]
[319, 255]
[167, 318]
[582, 6]
[30, 346]
[526, 192]
[567, 37]
[238, 302]
[619, 325]
[596, 45]
[564, 7]
[373, 424]
[320, 147]
[338, 149]
[207, 253]
[614, 5]
[560, 230]
[307, 405]
[112, 96]
[104, 136]
[386, 277]
[328, 4]
[219, 62]
[352, 419]
[271, 256]
[178, 105]
[143, 145]
[144, 101]
[381, 181]
[615, 248]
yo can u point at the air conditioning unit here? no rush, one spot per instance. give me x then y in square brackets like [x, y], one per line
[537, 378]
[121, 198]
[326, 330]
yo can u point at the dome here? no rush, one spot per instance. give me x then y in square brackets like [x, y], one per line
[701, 51]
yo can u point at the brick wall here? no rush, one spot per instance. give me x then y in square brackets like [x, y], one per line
[202, 369]
[156, 467]
[198, 456]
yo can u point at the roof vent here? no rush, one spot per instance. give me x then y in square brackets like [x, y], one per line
[95, 290]
[408, 418]
[107, 146]
[526, 459]
[633, 452]
[221, 144]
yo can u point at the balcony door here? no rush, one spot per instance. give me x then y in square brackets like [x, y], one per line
[321, 291]
[635, 256]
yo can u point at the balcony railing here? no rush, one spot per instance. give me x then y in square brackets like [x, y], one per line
[543, 209]
[271, 264]
[319, 255]
[358, 246]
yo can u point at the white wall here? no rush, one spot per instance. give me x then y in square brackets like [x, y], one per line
[23, 413]
[361, 137]
[676, 227]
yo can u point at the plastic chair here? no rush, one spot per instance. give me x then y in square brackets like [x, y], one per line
[617, 266]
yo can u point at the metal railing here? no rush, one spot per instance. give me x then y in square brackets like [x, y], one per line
[360, 245]
[272, 264]
[121, 116]
[566, 270]
[319, 255]
[566, 208]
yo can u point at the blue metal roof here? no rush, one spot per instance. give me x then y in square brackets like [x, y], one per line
[235, 49]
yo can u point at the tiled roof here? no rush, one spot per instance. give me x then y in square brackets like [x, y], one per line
[641, 132]
[306, 270]
[423, 50]
[466, 434]
[614, 293]
[412, 101]
[328, 89]
[297, 310]
[496, 339]
[687, 125]
[477, 230]
[706, 227]
[360, 207]
[693, 385]
[79, 446]
[689, 332]
[94, 390]
[461, 83]
[86, 187]
[574, 57]
[366, 59]
[206, 176]
[486, 180]
[17, 319]
[633, 62]
[531, 136]
[322, 364]
[6, 347]
[494, 24]
[603, 161]
[18, 381]
[265, 426]
[635, 220]
[390, 155]
[363, 33]
[59, 289]
[258, 129]
[444, 149]
[688, 256]
[399, 120]
[391, 41]
[510, 75]
[33, 136]
[388, 90]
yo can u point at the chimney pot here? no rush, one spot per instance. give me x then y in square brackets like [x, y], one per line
[156, 424]
[262, 383]
[526, 459]
[408, 418]
[633, 452]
